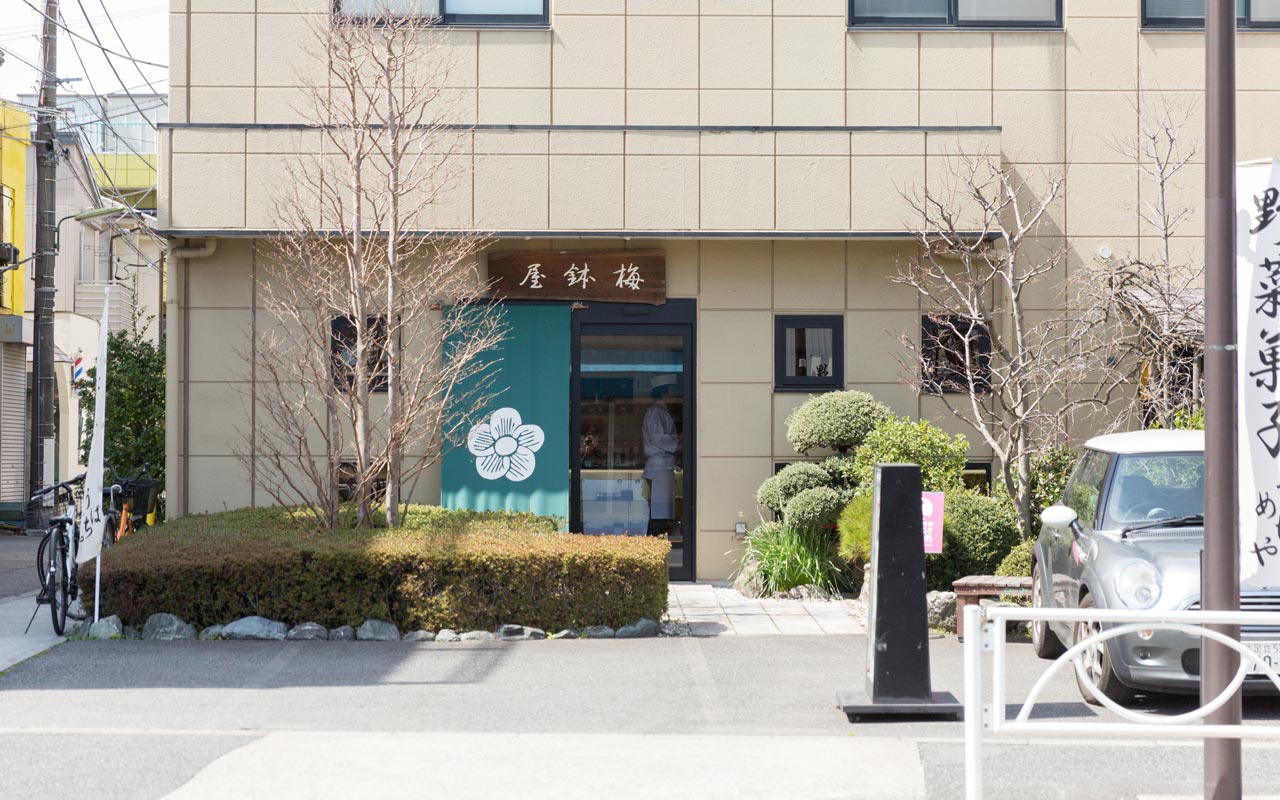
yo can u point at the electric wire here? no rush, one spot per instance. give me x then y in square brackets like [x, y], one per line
[76, 35]
[125, 46]
[112, 64]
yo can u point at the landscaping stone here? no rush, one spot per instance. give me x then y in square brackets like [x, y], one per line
[809, 591]
[377, 630]
[749, 583]
[865, 594]
[510, 632]
[643, 629]
[477, 636]
[343, 633]
[534, 633]
[106, 628]
[567, 633]
[942, 610]
[599, 632]
[166, 628]
[307, 631]
[448, 635]
[212, 632]
[256, 628]
[1014, 627]
[420, 636]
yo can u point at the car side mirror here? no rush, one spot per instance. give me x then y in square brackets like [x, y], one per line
[1059, 516]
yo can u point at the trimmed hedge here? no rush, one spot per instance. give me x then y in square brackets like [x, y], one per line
[836, 420]
[904, 441]
[978, 532]
[442, 569]
[1018, 563]
[814, 509]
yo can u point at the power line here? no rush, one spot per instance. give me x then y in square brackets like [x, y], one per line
[63, 26]
[112, 65]
[124, 45]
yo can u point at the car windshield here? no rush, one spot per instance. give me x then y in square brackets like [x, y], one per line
[1156, 486]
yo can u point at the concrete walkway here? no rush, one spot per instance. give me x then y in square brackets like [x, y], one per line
[713, 609]
[16, 646]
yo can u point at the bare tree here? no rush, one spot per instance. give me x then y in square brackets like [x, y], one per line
[1014, 376]
[381, 330]
[1156, 297]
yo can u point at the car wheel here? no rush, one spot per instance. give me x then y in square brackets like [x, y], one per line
[1044, 641]
[1097, 664]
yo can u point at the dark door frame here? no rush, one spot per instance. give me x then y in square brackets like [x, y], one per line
[624, 318]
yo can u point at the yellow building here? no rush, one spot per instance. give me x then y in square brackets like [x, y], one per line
[15, 336]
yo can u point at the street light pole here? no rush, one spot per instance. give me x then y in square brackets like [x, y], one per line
[1220, 570]
[43, 384]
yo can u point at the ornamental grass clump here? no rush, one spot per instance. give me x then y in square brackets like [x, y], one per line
[786, 558]
[442, 569]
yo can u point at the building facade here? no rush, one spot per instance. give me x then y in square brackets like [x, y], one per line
[15, 334]
[743, 162]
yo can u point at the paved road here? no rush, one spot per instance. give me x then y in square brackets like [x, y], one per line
[741, 717]
[18, 564]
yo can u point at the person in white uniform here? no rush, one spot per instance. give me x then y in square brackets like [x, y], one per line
[661, 443]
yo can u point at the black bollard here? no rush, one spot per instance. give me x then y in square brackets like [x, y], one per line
[897, 674]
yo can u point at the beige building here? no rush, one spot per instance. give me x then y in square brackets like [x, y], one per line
[760, 146]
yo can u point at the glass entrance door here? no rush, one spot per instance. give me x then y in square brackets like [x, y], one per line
[633, 421]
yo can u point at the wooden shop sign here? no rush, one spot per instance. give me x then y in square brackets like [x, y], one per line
[618, 276]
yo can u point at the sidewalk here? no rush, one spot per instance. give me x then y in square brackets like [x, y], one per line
[15, 646]
[713, 609]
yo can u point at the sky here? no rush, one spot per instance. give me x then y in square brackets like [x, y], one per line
[143, 27]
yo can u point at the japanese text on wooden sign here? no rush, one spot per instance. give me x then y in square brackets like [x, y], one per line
[622, 276]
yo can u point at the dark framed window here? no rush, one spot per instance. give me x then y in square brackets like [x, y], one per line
[454, 12]
[955, 354]
[956, 13]
[977, 476]
[342, 349]
[808, 352]
[1190, 13]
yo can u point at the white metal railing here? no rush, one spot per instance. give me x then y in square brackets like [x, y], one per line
[985, 630]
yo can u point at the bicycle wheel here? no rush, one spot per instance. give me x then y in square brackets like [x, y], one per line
[42, 562]
[58, 580]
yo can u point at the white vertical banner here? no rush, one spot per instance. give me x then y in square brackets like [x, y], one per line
[1258, 365]
[92, 520]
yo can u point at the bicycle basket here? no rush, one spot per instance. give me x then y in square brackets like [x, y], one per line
[40, 511]
[143, 495]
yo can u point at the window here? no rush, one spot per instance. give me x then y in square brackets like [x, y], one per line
[808, 353]
[1190, 13]
[959, 13]
[1156, 486]
[955, 355]
[455, 12]
[977, 476]
[342, 348]
[1085, 486]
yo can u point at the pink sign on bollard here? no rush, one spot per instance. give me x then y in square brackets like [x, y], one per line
[931, 504]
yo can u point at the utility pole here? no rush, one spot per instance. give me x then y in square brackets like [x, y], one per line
[43, 385]
[1220, 571]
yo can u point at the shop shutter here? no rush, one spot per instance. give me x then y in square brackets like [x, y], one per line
[516, 456]
[13, 427]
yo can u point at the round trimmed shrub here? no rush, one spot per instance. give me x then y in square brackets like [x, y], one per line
[814, 509]
[978, 532]
[836, 420]
[1018, 563]
[841, 468]
[795, 478]
[902, 441]
[769, 496]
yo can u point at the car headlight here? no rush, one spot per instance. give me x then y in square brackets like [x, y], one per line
[1138, 584]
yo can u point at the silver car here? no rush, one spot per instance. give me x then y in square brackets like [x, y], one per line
[1128, 534]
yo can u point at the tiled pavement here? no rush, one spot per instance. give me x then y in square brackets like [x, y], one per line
[714, 610]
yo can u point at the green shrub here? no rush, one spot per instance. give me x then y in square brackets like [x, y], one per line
[1050, 471]
[791, 480]
[836, 420]
[902, 441]
[1018, 563]
[978, 531]
[787, 558]
[814, 509]
[855, 532]
[1189, 419]
[842, 469]
[769, 496]
[461, 570]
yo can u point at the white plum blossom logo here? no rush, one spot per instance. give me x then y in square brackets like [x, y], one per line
[504, 446]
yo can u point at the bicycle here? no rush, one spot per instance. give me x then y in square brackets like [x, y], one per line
[56, 556]
[130, 501]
